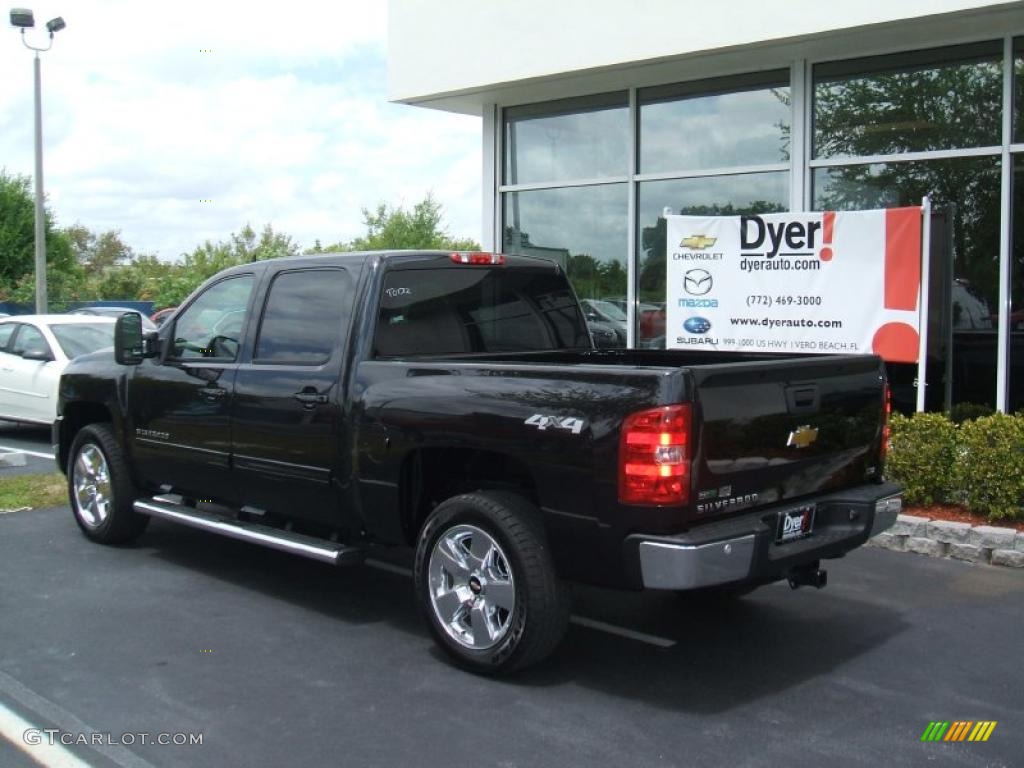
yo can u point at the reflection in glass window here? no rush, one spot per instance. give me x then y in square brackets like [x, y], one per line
[474, 309]
[583, 229]
[578, 139]
[686, 128]
[1018, 89]
[6, 330]
[708, 196]
[1016, 387]
[928, 100]
[30, 339]
[305, 317]
[968, 190]
[212, 325]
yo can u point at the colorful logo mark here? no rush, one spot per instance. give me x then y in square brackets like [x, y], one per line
[697, 242]
[958, 730]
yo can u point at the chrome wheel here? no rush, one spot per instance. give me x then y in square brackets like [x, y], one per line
[471, 587]
[91, 480]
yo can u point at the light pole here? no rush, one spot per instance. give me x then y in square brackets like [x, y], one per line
[23, 19]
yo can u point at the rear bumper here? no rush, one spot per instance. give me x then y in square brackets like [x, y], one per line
[743, 549]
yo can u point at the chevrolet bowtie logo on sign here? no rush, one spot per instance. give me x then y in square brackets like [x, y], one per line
[697, 242]
[958, 730]
[801, 437]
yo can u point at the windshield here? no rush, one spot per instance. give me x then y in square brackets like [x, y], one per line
[81, 338]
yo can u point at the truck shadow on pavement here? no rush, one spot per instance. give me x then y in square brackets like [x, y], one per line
[725, 655]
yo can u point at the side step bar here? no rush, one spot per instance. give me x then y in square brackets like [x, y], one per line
[274, 538]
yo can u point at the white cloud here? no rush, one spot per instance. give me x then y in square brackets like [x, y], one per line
[285, 121]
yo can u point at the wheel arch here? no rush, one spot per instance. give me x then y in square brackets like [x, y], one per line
[428, 476]
[76, 416]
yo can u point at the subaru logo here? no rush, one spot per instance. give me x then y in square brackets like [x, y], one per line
[697, 325]
[697, 282]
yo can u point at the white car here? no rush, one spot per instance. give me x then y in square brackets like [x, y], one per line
[34, 350]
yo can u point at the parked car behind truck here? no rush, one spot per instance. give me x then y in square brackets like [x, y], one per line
[34, 350]
[453, 403]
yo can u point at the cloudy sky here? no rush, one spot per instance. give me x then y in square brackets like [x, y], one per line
[272, 112]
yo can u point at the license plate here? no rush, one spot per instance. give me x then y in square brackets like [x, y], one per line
[795, 524]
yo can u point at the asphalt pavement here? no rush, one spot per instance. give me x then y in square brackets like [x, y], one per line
[34, 442]
[278, 661]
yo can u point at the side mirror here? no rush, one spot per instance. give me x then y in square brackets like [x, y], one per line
[37, 353]
[131, 345]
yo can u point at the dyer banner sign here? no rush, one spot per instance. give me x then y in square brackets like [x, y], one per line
[796, 282]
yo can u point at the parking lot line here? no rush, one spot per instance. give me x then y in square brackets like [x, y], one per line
[16, 729]
[612, 629]
[38, 454]
[583, 621]
[63, 719]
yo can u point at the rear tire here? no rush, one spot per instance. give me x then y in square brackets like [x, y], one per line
[100, 488]
[486, 583]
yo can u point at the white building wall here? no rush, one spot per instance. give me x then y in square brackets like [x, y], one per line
[439, 49]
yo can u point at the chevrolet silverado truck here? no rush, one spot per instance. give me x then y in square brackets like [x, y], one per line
[455, 403]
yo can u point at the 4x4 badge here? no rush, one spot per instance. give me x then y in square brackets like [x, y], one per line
[801, 437]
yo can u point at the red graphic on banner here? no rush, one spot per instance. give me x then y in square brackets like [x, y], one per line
[828, 226]
[898, 342]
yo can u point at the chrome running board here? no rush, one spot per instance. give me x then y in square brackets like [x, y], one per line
[264, 535]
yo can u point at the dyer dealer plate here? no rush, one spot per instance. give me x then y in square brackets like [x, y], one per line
[794, 524]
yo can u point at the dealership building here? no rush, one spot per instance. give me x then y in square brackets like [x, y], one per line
[599, 117]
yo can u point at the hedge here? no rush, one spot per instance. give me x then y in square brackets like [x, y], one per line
[978, 463]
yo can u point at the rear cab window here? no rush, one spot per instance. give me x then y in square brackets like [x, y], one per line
[444, 311]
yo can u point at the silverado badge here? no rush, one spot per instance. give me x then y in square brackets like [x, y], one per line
[801, 437]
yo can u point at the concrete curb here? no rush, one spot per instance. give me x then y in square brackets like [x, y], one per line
[960, 541]
[12, 458]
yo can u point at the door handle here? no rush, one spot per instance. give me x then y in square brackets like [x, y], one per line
[212, 393]
[309, 397]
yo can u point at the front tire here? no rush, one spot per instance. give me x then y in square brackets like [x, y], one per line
[486, 584]
[100, 489]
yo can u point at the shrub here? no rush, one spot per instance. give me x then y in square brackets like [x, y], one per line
[990, 469]
[962, 412]
[922, 455]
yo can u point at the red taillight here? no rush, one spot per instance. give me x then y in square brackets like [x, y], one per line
[488, 259]
[654, 456]
[886, 413]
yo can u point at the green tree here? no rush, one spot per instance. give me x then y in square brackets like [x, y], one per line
[395, 228]
[169, 287]
[97, 253]
[17, 245]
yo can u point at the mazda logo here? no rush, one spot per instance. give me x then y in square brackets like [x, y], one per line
[697, 282]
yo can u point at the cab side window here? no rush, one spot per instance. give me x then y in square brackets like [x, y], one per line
[306, 315]
[6, 331]
[211, 327]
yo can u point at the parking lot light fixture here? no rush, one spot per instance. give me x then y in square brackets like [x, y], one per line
[23, 19]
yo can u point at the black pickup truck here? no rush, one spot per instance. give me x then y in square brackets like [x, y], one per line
[455, 403]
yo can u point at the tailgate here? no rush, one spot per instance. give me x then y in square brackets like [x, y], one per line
[780, 430]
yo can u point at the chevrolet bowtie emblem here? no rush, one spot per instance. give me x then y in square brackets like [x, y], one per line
[697, 242]
[801, 437]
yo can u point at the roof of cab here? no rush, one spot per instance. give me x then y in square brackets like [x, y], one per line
[358, 258]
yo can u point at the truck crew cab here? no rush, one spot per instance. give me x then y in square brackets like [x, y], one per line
[454, 402]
